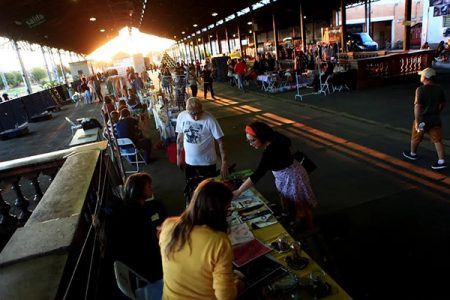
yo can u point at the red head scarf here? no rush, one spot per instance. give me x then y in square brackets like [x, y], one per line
[249, 130]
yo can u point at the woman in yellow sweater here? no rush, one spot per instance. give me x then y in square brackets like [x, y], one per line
[195, 249]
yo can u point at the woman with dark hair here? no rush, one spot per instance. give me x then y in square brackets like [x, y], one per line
[134, 231]
[108, 107]
[195, 249]
[84, 89]
[291, 179]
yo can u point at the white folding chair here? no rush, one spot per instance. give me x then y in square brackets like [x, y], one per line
[271, 85]
[128, 149]
[130, 282]
[73, 126]
[324, 86]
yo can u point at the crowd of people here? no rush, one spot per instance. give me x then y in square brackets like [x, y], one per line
[192, 73]
[196, 242]
[241, 73]
[164, 249]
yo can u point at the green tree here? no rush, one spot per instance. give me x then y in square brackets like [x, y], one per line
[38, 74]
[14, 78]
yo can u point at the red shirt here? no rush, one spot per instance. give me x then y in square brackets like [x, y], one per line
[240, 68]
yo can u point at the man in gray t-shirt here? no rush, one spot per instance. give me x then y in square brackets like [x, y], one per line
[428, 104]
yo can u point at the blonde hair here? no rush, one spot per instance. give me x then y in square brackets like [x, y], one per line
[193, 105]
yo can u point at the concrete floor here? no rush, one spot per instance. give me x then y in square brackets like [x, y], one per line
[384, 230]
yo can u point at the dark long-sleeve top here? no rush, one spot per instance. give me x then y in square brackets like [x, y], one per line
[277, 156]
[133, 238]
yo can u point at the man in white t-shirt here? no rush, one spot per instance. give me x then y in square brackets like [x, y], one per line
[197, 130]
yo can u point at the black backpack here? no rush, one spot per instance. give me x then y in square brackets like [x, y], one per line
[91, 123]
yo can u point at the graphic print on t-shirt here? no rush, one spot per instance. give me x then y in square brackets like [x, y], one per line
[192, 132]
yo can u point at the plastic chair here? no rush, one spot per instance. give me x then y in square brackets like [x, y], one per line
[129, 150]
[129, 282]
[73, 126]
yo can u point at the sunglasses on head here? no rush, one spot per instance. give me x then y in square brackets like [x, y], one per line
[195, 113]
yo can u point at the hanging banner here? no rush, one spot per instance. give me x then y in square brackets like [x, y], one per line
[439, 2]
[435, 2]
[441, 10]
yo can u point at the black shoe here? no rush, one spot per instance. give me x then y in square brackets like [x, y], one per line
[438, 166]
[408, 155]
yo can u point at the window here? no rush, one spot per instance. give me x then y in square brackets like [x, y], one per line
[365, 37]
[257, 5]
[446, 21]
[230, 17]
[260, 4]
[243, 12]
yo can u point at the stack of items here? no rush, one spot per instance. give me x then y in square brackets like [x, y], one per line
[251, 209]
[248, 210]
[249, 253]
[169, 61]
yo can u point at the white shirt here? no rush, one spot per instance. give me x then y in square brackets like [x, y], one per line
[198, 138]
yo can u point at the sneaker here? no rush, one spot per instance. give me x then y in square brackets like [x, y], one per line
[408, 155]
[438, 166]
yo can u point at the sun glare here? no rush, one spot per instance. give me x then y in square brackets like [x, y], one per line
[132, 43]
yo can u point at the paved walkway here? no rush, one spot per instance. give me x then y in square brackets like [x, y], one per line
[383, 221]
[49, 135]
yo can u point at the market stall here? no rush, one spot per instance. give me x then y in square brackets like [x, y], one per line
[271, 260]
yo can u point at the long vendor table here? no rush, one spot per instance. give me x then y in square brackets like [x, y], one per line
[251, 211]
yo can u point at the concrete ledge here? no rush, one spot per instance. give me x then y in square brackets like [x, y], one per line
[67, 193]
[40, 239]
[31, 161]
[36, 279]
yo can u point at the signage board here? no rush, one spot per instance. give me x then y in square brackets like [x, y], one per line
[34, 20]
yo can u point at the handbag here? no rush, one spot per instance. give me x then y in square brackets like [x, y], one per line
[305, 161]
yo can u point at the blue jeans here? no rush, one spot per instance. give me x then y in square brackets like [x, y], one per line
[241, 81]
[87, 97]
[152, 291]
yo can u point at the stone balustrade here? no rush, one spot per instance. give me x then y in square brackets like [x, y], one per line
[57, 253]
[27, 169]
[373, 71]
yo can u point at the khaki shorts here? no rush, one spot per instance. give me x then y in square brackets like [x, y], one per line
[435, 134]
